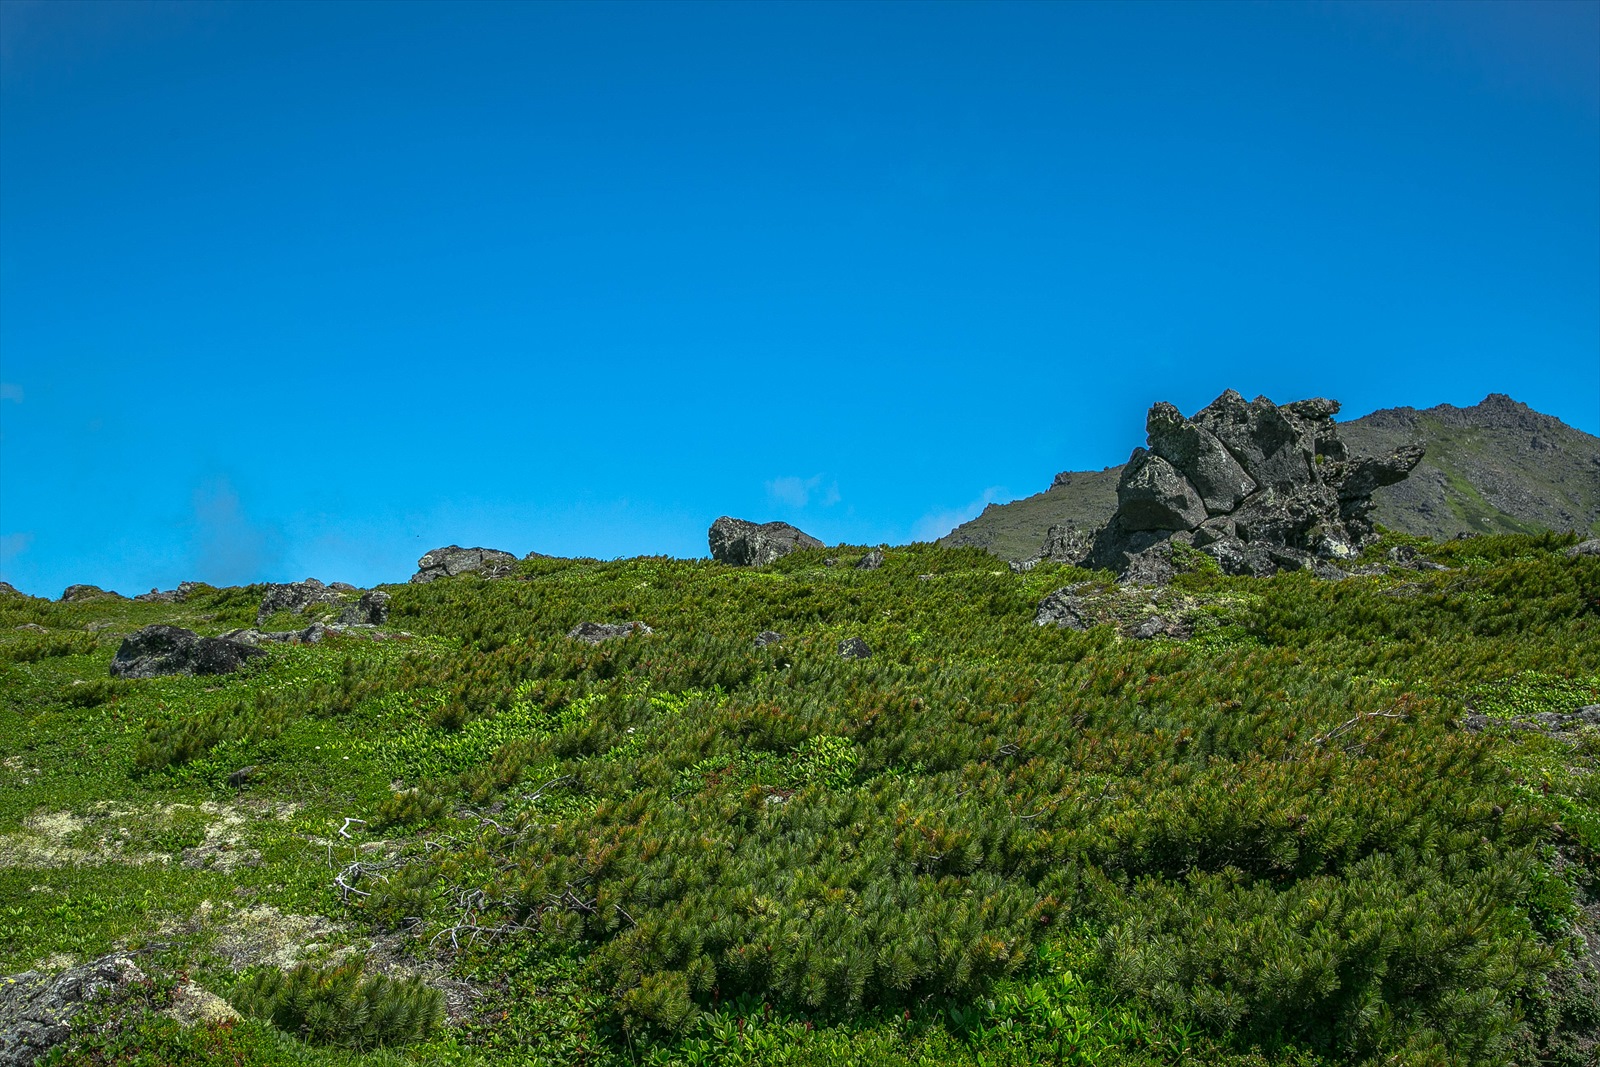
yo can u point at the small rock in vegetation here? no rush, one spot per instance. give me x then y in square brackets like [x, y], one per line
[854, 648]
[160, 650]
[595, 632]
[1590, 547]
[371, 610]
[871, 561]
[451, 560]
[1064, 608]
[742, 543]
[768, 637]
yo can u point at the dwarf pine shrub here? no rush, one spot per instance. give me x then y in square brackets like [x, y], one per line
[340, 1006]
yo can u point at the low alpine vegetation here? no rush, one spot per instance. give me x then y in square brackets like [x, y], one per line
[1329, 827]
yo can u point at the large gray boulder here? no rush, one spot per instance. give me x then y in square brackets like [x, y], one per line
[161, 650]
[36, 1009]
[1221, 480]
[1154, 495]
[451, 560]
[742, 543]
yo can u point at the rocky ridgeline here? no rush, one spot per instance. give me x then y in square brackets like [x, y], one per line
[1258, 487]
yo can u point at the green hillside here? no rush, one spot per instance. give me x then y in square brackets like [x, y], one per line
[990, 842]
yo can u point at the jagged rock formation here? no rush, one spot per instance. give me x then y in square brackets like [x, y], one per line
[1495, 467]
[742, 543]
[595, 632]
[160, 650]
[451, 560]
[871, 561]
[1257, 486]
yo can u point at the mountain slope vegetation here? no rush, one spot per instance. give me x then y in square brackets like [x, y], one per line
[1276, 842]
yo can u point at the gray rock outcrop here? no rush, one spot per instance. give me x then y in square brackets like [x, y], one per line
[871, 561]
[1259, 487]
[75, 593]
[742, 543]
[1590, 547]
[161, 650]
[371, 610]
[595, 632]
[451, 560]
[768, 637]
[36, 1009]
[295, 597]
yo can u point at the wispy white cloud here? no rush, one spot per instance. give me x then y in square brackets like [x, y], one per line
[229, 548]
[936, 524]
[11, 391]
[14, 545]
[798, 492]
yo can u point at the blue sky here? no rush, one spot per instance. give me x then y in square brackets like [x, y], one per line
[292, 290]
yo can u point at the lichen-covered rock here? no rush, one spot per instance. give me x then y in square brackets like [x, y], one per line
[595, 632]
[36, 1009]
[451, 560]
[871, 561]
[1065, 609]
[768, 637]
[854, 648]
[1590, 547]
[371, 610]
[295, 597]
[742, 543]
[162, 650]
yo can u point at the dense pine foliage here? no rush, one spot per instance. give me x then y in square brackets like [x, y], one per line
[1273, 842]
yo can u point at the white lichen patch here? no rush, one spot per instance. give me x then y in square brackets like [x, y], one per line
[224, 846]
[57, 839]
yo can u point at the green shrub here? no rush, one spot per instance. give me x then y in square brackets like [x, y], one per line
[338, 1006]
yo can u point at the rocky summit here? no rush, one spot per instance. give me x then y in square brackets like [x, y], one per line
[742, 543]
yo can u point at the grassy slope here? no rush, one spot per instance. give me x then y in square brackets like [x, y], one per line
[988, 843]
[1016, 530]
